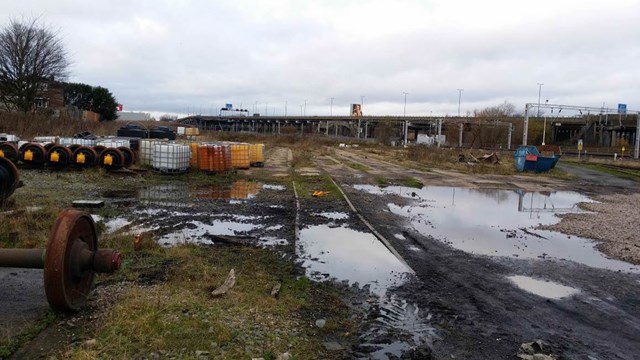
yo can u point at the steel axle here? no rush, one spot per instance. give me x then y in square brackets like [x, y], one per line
[70, 260]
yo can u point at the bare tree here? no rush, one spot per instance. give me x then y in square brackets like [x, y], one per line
[31, 55]
[489, 128]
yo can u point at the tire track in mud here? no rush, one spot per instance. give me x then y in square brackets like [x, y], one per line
[481, 315]
[392, 326]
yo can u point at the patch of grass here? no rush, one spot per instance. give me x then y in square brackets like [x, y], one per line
[629, 174]
[9, 345]
[382, 181]
[178, 317]
[306, 185]
[412, 182]
[358, 166]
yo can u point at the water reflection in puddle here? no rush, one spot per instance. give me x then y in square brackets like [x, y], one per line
[497, 222]
[239, 190]
[350, 255]
[334, 215]
[546, 289]
[197, 231]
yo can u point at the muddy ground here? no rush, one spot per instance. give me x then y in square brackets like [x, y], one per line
[410, 291]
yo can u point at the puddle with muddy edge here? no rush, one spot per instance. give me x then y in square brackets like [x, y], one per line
[497, 222]
[543, 288]
[338, 252]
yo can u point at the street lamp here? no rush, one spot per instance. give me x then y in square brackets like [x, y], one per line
[544, 127]
[539, 92]
[459, 99]
[404, 112]
[331, 109]
[406, 124]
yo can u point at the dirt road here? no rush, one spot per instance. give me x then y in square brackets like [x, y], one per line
[472, 298]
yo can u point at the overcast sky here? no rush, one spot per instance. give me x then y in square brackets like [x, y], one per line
[179, 56]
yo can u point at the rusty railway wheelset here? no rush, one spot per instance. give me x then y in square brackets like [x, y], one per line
[71, 258]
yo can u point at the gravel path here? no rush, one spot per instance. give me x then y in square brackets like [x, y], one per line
[614, 221]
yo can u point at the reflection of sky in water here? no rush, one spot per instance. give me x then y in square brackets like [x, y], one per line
[347, 254]
[334, 215]
[546, 289]
[197, 235]
[492, 222]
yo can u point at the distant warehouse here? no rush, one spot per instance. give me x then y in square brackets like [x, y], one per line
[133, 116]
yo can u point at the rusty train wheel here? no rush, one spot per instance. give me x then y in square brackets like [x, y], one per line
[99, 149]
[90, 156]
[117, 159]
[10, 151]
[74, 147]
[9, 179]
[39, 154]
[65, 156]
[67, 278]
[129, 155]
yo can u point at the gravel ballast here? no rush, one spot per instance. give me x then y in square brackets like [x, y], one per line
[614, 221]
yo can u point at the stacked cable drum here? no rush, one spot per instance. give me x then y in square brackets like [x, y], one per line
[256, 155]
[240, 155]
[171, 158]
[146, 150]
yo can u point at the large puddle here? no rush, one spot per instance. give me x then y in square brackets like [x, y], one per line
[177, 213]
[497, 222]
[345, 254]
[333, 250]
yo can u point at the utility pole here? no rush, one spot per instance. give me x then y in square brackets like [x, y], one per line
[459, 99]
[539, 92]
[406, 124]
[331, 108]
[404, 112]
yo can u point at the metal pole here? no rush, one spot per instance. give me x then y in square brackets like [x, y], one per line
[366, 129]
[636, 152]
[525, 129]
[404, 112]
[460, 135]
[358, 132]
[459, 99]
[539, 92]
[327, 129]
[439, 130]
[509, 138]
[331, 109]
[544, 131]
[406, 131]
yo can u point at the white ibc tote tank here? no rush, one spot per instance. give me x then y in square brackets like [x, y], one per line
[171, 158]
[66, 141]
[114, 143]
[146, 150]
